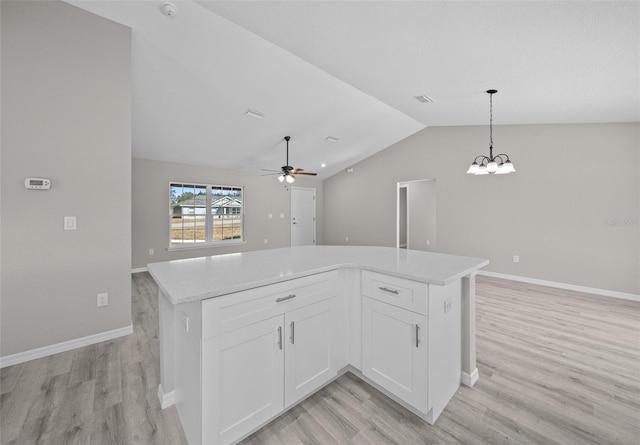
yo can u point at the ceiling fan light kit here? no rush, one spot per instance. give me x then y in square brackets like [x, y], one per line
[288, 173]
[490, 165]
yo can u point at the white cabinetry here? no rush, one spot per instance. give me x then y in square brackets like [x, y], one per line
[263, 350]
[411, 344]
[242, 380]
[394, 350]
[311, 349]
[234, 362]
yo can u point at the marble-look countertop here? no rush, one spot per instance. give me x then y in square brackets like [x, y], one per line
[207, 277]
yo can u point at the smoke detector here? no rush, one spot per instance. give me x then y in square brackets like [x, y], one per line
[169, 9]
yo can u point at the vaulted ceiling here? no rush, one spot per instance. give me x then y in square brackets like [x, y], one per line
[351, 70]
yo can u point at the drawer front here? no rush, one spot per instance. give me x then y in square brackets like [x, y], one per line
[400, 292]
[233, 311]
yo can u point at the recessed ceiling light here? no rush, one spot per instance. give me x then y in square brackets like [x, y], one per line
[323, 165]
[331, 139]
[169, 9]
[424, 99]
[254, 114]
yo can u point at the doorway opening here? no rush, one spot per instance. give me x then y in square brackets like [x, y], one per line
[416, 214]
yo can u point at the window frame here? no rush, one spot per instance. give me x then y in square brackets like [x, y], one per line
[209, 218]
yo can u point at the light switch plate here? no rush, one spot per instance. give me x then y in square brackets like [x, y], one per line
[70, 223]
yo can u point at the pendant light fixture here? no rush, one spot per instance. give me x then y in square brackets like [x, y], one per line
[498, 164]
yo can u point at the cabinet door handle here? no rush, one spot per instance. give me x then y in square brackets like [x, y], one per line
[280, 337]
[292, 338]
[288, 297]
[391, 291]
[417, 335]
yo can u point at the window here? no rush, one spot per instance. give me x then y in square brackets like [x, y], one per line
[202, 214]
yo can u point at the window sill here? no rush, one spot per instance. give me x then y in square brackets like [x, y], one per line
[206, 245]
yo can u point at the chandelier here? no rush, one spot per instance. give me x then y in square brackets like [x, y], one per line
[489, 165]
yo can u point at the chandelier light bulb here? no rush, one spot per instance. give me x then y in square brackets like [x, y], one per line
[281, 178]
[508, 167]
[473, 169]
[290, 179]
[501, 170]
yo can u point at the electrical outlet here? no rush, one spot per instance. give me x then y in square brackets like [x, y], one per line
[266, 240]
[428, 242]
[70, 223]
[103, 299]
[151, 251]
[516, 258]
[346, 238]
[270, 215]
[447, 305]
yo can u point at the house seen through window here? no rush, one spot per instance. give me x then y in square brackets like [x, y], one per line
[205, 214]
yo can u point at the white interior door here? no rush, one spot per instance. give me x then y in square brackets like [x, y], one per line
[303, 216]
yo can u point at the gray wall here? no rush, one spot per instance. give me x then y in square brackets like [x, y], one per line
[556, 211]
[422, 215]
[66, 115]
[263, 195]
[402, 216]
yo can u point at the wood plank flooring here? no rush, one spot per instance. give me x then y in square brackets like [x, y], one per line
[556, 367]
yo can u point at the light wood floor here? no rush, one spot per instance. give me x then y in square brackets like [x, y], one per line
[556, 367]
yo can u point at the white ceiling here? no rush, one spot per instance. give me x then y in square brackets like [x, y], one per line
[351, 69]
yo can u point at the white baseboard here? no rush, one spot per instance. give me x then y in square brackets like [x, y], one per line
[470, 379]
[139, 269]
[573, 287]
[33, 354]
[166, 399]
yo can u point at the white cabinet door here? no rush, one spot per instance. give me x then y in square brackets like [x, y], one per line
[242, 380]
[394, 350]
[311, 349]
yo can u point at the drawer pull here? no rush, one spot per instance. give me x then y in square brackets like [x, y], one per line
[280, 337]
[391, 291]
[292, 338]
[417, 336]
[288, 297]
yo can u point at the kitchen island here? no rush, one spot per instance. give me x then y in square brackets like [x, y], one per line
[245, 336]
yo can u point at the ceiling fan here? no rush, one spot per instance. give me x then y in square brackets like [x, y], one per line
[286, 172]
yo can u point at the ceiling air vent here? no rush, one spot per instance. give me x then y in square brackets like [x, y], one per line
[254, 114]
[423, 98]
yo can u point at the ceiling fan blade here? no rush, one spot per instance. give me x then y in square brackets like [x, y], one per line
[300, 172]
[271, 174]
[269, 170]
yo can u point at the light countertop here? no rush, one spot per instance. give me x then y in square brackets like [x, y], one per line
[207, 277]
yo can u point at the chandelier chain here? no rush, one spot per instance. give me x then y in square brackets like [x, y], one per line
[491, 120]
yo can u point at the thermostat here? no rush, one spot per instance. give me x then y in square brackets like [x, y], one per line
[37, 183]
